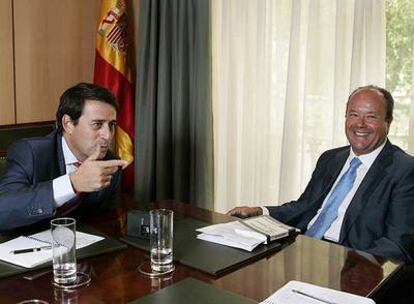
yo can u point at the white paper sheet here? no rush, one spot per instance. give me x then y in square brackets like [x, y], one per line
[232, 234]
[33, 259]
[295, 292]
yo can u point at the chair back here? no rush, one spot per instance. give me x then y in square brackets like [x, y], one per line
[11, 133]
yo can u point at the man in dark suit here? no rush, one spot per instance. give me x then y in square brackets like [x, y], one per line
[376, 211]
[69, 169]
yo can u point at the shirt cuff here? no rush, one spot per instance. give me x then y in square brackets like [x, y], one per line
[62, 190]
[265, 211]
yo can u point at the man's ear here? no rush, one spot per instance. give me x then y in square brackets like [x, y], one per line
[389, 121]
[67, 124]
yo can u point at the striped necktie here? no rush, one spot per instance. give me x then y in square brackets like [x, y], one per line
[330, 211]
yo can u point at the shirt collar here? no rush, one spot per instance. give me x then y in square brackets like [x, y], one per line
[368, 159]
[67, 153]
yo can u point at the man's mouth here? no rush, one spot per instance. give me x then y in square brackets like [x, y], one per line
[103, 149]
[361, 133]
[103, 145]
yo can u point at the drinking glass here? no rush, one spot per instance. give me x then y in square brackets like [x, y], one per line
[64, 250]
[161, 240]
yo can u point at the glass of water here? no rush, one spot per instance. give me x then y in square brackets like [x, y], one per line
[161, 240]
[64, 250]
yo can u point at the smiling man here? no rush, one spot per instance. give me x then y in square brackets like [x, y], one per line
[69, 169]
[362, 195]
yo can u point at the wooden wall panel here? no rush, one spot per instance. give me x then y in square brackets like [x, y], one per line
[54, 49]
[6, 64]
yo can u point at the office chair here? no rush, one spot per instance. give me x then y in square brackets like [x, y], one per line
[11, 133]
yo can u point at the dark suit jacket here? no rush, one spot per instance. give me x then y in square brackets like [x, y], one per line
[380, 217]
[26, 190]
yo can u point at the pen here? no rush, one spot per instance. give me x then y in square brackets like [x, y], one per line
[312, 297]
[26, 250]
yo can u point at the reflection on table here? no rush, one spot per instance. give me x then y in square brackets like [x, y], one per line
[115, 278]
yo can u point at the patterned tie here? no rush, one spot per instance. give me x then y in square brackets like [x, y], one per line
[73, 203]
[330, 210]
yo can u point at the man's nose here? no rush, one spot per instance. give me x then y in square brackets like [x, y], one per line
[106, 132]
[361, 121]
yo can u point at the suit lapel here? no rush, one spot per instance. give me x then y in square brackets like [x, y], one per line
[52, 157]
[375, 174]
[333, 172]
[339, 160]
[329, 177]
[60, 157]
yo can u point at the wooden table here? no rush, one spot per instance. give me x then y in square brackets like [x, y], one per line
[115, 278]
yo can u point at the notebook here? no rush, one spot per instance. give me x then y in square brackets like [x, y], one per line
[246, 234]
[41, 239]
[295, 292]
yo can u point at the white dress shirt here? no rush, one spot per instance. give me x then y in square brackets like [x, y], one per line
[367, 160]
[62, 187]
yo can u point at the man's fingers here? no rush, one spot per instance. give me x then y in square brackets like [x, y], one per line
[245, 211]
[95, 154]
[96, 174]
[235, 212]
[231, 212]
[112, 163]
[127, 163]
[109, 170]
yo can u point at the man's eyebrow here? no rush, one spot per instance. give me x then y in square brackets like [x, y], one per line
[358, 110]
[103, 120]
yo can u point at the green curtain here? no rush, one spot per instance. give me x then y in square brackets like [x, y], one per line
[174, 130]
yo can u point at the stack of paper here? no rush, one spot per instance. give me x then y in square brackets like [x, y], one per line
[248, 233]
[33, 259]
[233, 234]
[298, 292]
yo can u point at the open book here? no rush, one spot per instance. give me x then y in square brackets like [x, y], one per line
[246, 234]
[299, 292]
[39, 240]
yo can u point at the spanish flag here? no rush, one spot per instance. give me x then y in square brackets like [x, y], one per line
[112, 71]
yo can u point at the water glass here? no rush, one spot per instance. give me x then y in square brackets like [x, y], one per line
[161, 240]
[64, 250]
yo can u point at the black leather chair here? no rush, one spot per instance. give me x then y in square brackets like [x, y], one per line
[9, 134]
[2, 165]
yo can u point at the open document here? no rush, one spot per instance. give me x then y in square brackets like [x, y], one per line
[33, 250]
[299, 292]
[246, 234]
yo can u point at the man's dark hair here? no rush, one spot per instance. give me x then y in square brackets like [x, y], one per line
[389, 100]
[73, 100]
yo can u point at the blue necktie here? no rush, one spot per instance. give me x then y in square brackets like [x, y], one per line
[330, 210]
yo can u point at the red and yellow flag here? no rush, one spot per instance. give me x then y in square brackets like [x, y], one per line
[113, 72]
